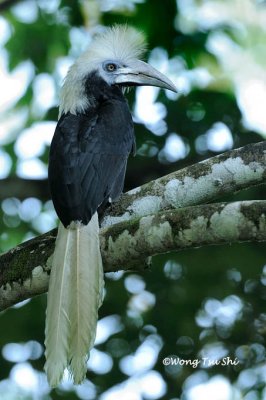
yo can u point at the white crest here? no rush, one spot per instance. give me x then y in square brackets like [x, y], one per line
[120, 42]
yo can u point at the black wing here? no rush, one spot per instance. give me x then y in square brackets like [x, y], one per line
[88, 158]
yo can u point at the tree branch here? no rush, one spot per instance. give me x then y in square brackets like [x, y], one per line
[218, 223]
[25, 269]
[146, 221]
[200, 183]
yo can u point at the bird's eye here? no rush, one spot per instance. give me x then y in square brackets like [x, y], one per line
[110, 67]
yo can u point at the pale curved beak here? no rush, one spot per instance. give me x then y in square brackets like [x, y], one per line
[143, 74]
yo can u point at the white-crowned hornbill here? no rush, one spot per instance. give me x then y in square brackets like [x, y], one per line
[88, 156]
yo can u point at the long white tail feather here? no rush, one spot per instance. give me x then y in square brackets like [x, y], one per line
[57, 325]
[87, 287]
[75, 290]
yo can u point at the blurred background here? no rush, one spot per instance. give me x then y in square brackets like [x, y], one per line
[208, 302]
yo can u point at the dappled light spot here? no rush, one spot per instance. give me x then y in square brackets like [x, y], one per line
[26, 12]
[175, 149]
[31, 168]
[86, 391]
[29, 380]
[44, 94]
[107, 327]
[219, 138]
[150, 385]
[33, 141]
[196, 111]
[14, 84]
[18, 352]
[100, 362]
[213, 353]
[144, 358]
[5, 164]
[217, 388]
[173, 270]
[30, 208]
[134, 284]
[142, 301]
[147, 110]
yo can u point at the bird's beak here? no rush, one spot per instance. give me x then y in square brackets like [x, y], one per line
[143, 74]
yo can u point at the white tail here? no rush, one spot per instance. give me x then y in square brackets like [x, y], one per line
[74, 296]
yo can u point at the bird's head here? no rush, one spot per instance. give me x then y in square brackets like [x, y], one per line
[115, 55]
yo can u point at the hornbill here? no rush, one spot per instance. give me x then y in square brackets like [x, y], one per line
[92, 141]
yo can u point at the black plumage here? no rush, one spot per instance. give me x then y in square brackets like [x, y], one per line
[89, 151]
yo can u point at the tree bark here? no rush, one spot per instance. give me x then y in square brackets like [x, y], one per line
[200, 183]
[158, 217]
[127, 244]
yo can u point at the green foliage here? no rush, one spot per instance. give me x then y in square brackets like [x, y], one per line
[33, 45]
[196, 302]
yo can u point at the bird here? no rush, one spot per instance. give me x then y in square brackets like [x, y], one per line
[93, 139]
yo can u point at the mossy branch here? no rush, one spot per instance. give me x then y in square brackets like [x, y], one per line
[196, 184]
